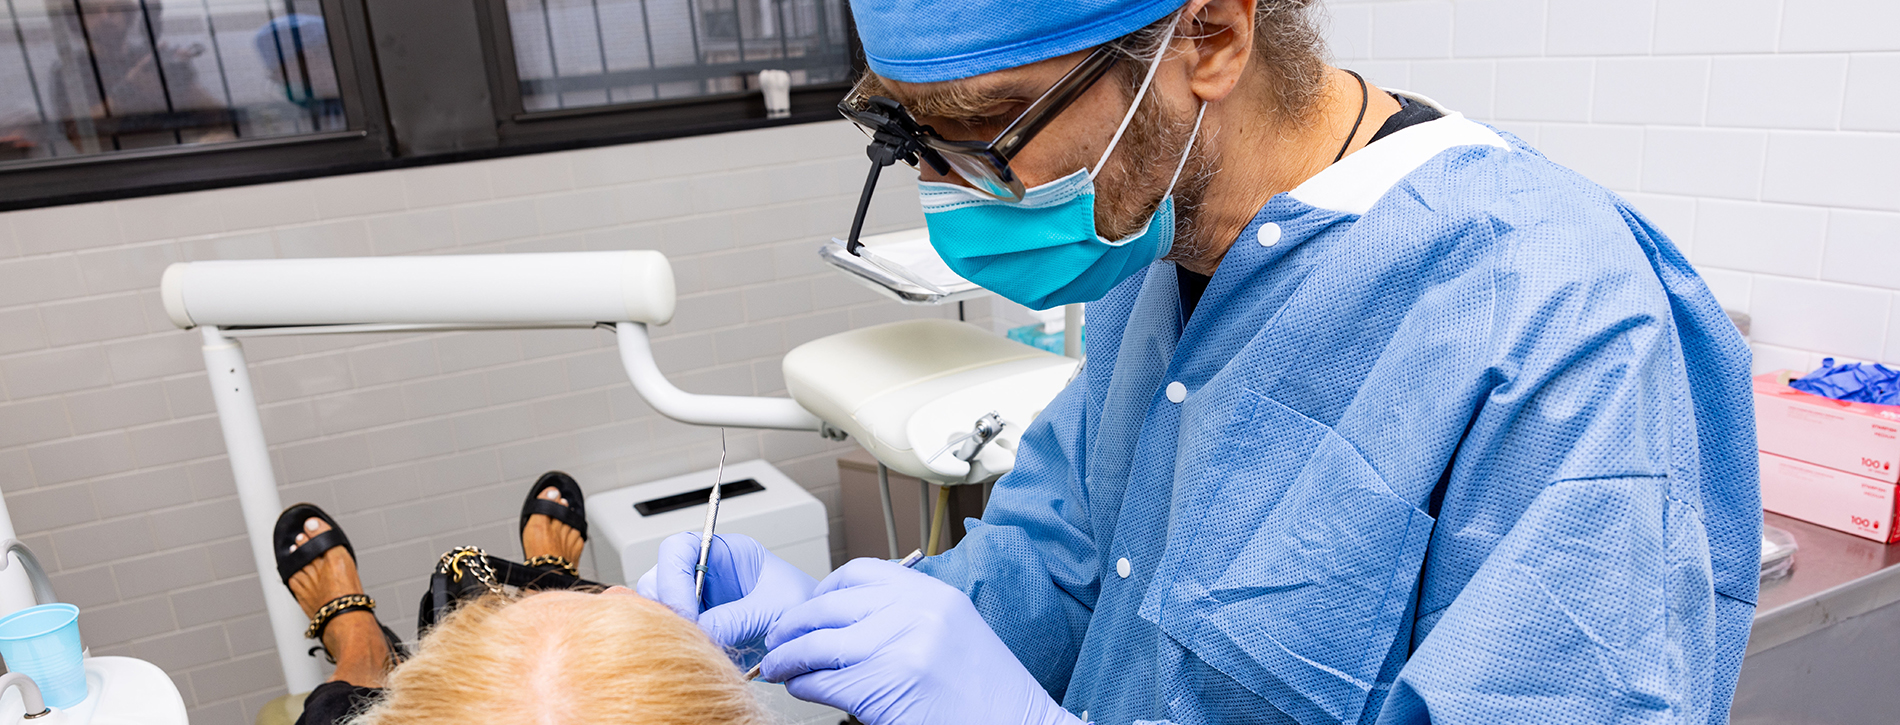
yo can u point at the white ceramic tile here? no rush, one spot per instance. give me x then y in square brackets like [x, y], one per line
[63, 228]
[608, 165]
[1834, 169]
[241, 245]
[1778, 91]
[1730, 288]
[44, 279]
[685, 157]
[267, 205]
[1717, 26]
[9, 247]
[1650, 90]
[1348, 30]
[443, 184]
[1703, 162]
[413, 231]
[575, 210]
[1873, 93]
[527, 174]
[498, 221]
[1754, 237]
[1544, 89]
[1824, 317]
[1770, 358]
[1600, 27]
[358, 194]
[1834, 25]
[1389, 74]
[127, 268]
[347, 238]
[1863, 248]
[169, 216]
[55, 371]
[1460, 85]
[21, 330]
[92, 320]
[732, 190]
[1674, 216]
[1498, 28]
[1609, 155]
[1413, 29]
[652, 200]
[1893, 332]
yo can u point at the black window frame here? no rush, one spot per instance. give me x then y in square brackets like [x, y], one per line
[423, 82]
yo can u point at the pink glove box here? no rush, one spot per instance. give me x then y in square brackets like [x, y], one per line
[1859, 438]
[1841, 501]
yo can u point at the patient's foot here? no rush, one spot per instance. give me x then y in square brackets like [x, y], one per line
[355, 639]
[544, 536]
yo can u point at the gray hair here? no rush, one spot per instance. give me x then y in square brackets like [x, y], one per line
[1287, 44]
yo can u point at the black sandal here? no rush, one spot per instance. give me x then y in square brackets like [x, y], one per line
[293, 557]
[574, 514]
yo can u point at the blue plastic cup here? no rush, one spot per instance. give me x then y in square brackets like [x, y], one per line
[43, 643]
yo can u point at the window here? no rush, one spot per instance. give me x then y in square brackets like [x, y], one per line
[85, 77]
[111, 98]
[576, 53]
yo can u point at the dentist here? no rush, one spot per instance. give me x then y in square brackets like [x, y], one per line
[1386, 417]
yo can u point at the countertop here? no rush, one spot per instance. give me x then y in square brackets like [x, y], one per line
[1836, 576]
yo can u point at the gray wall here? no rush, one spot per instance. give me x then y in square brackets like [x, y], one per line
[111, 459]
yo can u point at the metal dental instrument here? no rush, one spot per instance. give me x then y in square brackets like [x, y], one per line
[712, 515]
[909, 562]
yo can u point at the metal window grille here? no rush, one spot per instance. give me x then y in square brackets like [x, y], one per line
[81, 77]
[581, 53]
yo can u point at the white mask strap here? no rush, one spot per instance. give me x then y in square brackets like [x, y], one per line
[1153, 65]
[1189, 151]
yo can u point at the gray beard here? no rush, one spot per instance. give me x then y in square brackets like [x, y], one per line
[1145, 161]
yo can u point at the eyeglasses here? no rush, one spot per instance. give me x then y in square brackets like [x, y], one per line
[983, 164]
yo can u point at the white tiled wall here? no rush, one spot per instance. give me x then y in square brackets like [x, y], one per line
[1761, 135]
[111, 458]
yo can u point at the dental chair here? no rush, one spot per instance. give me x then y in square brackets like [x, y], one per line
[939, 400]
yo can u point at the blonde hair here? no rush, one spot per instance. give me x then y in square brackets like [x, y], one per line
[566, 657]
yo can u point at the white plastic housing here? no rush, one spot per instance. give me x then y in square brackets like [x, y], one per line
[905, 389]
[622, 286]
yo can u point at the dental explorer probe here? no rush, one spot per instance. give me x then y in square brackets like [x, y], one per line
[712, 514]
[908, 562]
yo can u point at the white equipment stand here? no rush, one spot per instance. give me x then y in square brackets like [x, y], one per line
[119, 690]
[904, 388]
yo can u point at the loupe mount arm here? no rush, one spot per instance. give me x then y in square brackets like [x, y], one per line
[893, 138]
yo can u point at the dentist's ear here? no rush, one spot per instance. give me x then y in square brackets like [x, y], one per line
[1217, 41]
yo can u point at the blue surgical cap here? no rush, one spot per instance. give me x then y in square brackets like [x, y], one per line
[922, 41]
[285, 34]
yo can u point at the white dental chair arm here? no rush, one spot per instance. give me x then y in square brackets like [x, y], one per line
[636, 354]
[521, 289]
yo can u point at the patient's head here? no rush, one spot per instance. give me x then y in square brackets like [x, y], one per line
[566, 657]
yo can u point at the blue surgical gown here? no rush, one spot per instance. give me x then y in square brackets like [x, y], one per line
[1465, 441]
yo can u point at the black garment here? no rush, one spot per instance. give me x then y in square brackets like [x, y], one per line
[1411, 113]
[333, 702]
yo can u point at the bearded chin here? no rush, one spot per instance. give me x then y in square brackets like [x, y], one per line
[1144, 163]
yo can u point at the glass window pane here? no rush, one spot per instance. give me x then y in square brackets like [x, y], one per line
[97, 76]
[578, 53]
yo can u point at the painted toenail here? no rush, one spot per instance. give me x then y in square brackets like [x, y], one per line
[310, 525]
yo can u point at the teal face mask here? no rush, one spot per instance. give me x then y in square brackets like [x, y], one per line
[1043, 251]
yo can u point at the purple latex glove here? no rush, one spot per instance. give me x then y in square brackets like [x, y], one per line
[747, 587]
[893, 645]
